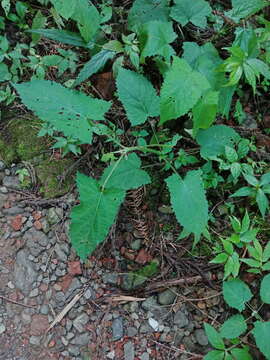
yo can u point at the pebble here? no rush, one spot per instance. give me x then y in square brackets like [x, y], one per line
[74, 350]
[12, 182]
[167, 297]
[35, 340]
[2, 328]
[129, 351]
[88, 294]
[201, 337]
[117, 329]
[10, 285]
[131, 331]
[24, 273]
[2, 165]
[44, 309]
[110, 278]
[180, 319]
[81, 340]
[33, 293]
[80, 322]
[145, 356]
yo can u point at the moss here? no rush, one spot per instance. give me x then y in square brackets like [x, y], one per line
[48, 172]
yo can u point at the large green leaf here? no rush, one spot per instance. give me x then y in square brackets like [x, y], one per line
[236, 293]
[195, 11]
[126, 174]
[143, 11]
[92, 219]
[189, 202]
[214, 140]
[181, 90]
[214, 337]
[87, 17]
[65, 8]
[95, 64]
[69, 111]
[138, 96]
[66, 37]
[261, 333]
[265, 289]
[233, 327]
[214, 355]
[204, 112]
[241, 354]
[155, 38]
[242, 9]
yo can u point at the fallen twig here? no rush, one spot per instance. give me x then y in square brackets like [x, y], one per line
[16, 302]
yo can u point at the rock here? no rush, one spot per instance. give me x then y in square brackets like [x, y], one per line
[80, 322]
[75, 285]
[88, 294]
[24, 274]
[110, 278]
[150, 303]
[153, 323]
[35, 340]
[15, 210]
[129, 351]
[111, 355]
[10, 285]
[12, 182]
[3, 199]
[39, 325]
[117, 329]
[60, 253]
[52, 216]
[2, 328]
[16, 222]
[145, 356]
[2, 165]
[145, 328]
[201, 337]
[136, 244]
[34, 293]
[74, 350]
[180, 319]
[74, 268]
[178, 337]
[44, 309]
[131, 331]
[36, 241]
[167, 297]
[81, 340]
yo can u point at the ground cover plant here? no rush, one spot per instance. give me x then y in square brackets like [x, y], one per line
[186, 93]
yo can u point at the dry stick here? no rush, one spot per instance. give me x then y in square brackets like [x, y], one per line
[16, 302]
[173, 348]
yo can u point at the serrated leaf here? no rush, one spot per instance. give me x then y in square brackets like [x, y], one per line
[181, 90]
[143, 11]
[233, 327]
[92, 219]
[95, 64]
[125, 175]
[241, 354]
[88, 19]
[265, 289]
[235, 170]
[69, 111]
[64, 36]
[189, 202]
[214, 355]
[236, 293]
[138, 96]
[39, 22]
[155, 38]
[195, 11]
[204, 112]
[242, 9]
[64, 8]
[214, 140]
[261, 333]
[231, 154]
[214, 337]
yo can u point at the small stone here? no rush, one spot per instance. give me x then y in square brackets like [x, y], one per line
[74, 350]
[57, 287]
[44, 309]
[10, 285]
[12, 182]
[38, 225]
[74, 268]
[110, 278]
[3, 190]
[80, 322]
[60, 296]
[64, 340]
[180, 319]
[34, 293]
[167, 297]
[117, 329]
[111, 355]
[88, 294]
[136, 244]
[52, 216]
[16, 222]
[35, 340]
[2, 328]
[201, 337]
[150, 303]
[131, 331]
[129, 351]
[24, 273]
[81, 340]
[2, 165]
[70, 335]
[39, 325]
[153, 323]
[145, 356]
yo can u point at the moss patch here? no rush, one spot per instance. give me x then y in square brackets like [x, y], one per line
[48, 172]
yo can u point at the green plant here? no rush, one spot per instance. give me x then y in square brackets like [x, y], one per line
[24, 177]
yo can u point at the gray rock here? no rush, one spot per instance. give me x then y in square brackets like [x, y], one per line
[81, 340]
[80, 322]
[178, 337]
[180, 319]
[74, 350]
[117, 329]
[24, 273]
[34, 293]
[36, 241]
[2, 328]
[3, 189]
[12, 182]
[201, 337]
[110, 278]
[35, 340]
[3, 199]
[26, 318]
[44, 309]
[60, 296]
[150, 303]
[131, 331]
[145, 356]
[45, 226]
[88, 294]
[60, 253]
[167, 297]
[129, 351]
[14, 210]
[53, 216]
[136, 244]
[75, 285]
[145, 328]
[2, 165]
[70, 335]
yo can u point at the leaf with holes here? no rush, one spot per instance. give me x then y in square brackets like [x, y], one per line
[68, 111]
[138, 96]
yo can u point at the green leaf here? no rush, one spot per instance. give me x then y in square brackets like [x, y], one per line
[265, 289]
[241, 354]
[235, 170]
[64, 36]
[214, 355]
[155, 38]
[138, 96]
[242, 9]
[266, 252]
[143, 11]
[92, 219]
[236, 293]
[214, 337]
[39, 22]
[189, 202]
[126, 175]
[220, 259]
[214, 140]
[178, 97]
[251, 179]
[88, 19]
[243, 191]
[4, 73]
[265, 179]
[204, 112]
[231, 154]
[185, 11]
[251, 262]
[245, 223]
[65, 8]
[69, 111]
[261, 333]
[95, 64]
[266, 266]
[262, 201]
[233, 327]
